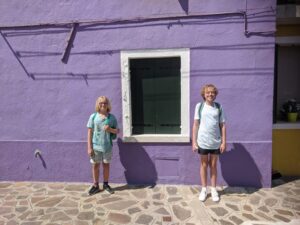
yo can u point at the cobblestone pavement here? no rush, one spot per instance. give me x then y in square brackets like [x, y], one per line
[34, 203]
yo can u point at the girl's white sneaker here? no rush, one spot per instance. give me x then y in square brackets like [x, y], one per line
[214, 195]
[203, 195]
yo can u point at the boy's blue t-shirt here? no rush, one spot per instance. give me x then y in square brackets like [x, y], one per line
[101, 138]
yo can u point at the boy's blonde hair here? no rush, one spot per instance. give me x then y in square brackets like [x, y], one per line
[205, 87]
[102, 99]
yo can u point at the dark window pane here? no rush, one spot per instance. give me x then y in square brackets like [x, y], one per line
[155, 95]
[142, 96]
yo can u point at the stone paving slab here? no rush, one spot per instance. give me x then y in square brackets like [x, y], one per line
[39, 203]
[277, 205]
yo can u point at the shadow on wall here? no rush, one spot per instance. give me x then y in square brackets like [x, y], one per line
[239, 169]
[139, 167]
[184, 5]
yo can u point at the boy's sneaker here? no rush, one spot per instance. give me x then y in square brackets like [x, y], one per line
[214, 195]
[108, 189]
[203, 194]
[94, 190]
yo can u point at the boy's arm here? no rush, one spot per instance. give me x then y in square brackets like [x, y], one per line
[89, 142]
[223, 135]
[195, 134]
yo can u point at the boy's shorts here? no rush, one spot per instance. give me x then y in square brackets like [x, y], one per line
[209, 151]
[101, 157]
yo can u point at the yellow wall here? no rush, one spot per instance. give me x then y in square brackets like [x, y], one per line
[286, 151]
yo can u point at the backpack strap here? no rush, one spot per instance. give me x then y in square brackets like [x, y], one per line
[111, 136]
[200, 109]
[219, 109]
[108, 118]
[94, 115]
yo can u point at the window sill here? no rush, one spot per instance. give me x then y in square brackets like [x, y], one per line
[176, 138]
[286, 125]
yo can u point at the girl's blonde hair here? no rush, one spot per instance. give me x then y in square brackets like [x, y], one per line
[102, 99]
[205, 87]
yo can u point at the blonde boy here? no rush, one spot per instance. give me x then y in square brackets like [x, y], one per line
[209, 138]
[101, 125]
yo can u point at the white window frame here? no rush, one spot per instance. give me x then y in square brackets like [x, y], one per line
[184, 55]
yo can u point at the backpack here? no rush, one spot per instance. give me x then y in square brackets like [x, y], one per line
[217, 105]
[106, 122]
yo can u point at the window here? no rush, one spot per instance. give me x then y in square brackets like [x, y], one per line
[155, 95]
[287, 77]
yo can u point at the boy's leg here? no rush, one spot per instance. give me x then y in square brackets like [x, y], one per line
[106, 186]
[95, 161]
[95, 187]
[213, 169]
[106, 159]
[106, 165]
[203, 175]
[105, 172]
[203, 170]
[213, 174]
[95, 172]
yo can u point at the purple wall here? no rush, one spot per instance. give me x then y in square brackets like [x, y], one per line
[50, 112]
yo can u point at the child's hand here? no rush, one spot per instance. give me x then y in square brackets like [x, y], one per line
[195, 147]
[90, 152]
[223, 148]
[106, 128]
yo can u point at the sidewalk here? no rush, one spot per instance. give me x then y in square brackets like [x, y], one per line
[34, 203]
